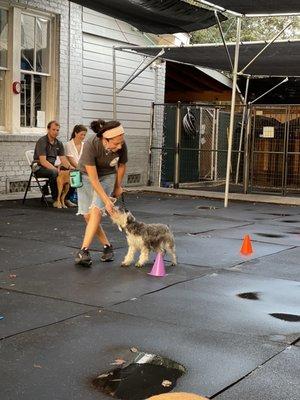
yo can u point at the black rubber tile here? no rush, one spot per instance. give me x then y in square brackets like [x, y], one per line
[210, 251]
[277, 234]
[290, 221]
[278, 379]
[168, 205]
[284, 265]
[63, 227]
[23, 312]
[212, 301]
[19, 253]
[257, 212]
[188, 224]
[102, 284]
[11, 212]
[61, 360]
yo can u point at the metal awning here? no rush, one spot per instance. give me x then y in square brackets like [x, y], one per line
[256, 7]
[280, 59]
[156, 16]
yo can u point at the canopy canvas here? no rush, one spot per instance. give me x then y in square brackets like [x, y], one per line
[156, 16]
[280, 59]
[257, 7]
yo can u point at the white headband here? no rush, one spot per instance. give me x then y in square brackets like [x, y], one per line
[114, 132]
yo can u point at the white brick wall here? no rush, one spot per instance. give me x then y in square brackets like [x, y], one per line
[13, 146]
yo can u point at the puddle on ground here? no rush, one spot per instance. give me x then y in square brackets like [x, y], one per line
[287, 317]
[270, 235]
[249, 295]
[207, 208]
[145, 375]
[278, 214]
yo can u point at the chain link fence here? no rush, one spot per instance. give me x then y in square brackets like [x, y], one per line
[275, 149]
[195, 136]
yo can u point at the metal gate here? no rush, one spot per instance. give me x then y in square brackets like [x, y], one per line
[275, 149]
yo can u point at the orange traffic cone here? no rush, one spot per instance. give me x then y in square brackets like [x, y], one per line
[246, 249]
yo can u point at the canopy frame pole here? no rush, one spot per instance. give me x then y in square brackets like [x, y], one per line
[246, 152]
[270, 90]
[150, 144]
[265, 47]
[223, 40]
[136, 73]
[233, 97]
[127, 81]
[242, 130]
[114, 83]
[227, 51]
[177, 146]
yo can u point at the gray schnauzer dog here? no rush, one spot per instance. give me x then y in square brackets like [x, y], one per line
[144, 238]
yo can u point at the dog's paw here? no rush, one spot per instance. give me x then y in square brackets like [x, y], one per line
[123, 265]
[56, 204]
[173, 264]
[64, 206]
[138, 265]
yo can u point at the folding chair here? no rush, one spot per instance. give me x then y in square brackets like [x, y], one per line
[33, 164]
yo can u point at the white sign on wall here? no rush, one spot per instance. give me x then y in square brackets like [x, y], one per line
[268, 132]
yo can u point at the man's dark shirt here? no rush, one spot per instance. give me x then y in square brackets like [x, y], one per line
[44, 148]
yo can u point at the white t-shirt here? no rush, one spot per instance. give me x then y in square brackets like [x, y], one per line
[71, 150]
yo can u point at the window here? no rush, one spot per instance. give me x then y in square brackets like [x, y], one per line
[35, 70]
[3, 62]
[28, 56]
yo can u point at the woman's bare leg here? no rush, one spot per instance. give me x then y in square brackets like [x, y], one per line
[93, 228]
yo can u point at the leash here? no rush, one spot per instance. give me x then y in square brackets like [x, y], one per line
[123, 202]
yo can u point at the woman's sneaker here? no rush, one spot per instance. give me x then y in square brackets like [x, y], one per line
[83, 257]
[108, 253]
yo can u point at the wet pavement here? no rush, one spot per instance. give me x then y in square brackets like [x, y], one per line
[232, 321]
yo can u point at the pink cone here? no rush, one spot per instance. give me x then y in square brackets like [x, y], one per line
[158, 268]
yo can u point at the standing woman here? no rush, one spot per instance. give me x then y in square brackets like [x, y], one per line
[102, 164]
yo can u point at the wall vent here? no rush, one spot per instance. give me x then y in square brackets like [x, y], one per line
[133, 178]
[17, 186]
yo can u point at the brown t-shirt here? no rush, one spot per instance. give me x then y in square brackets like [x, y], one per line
[95, 154]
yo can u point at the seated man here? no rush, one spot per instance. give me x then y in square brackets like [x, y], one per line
[46, 151]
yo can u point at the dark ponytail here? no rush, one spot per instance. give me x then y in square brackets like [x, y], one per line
[100, 126]
[77, 129]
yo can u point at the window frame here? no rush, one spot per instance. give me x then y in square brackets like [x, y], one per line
[3, 128]
[14, 71]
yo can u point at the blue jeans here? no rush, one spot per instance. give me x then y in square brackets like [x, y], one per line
[43, 172]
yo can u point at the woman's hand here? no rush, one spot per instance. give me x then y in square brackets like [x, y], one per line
[109, 207]
[117, 191]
